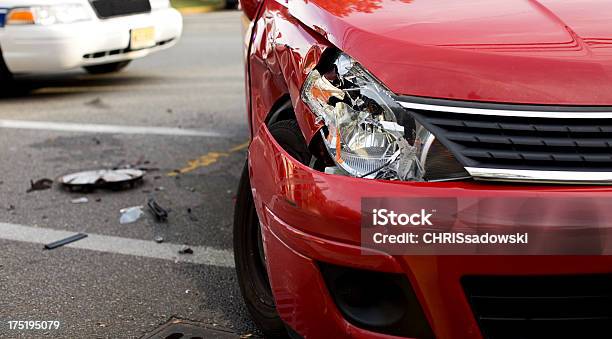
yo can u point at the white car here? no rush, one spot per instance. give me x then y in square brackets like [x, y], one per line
[102, 36]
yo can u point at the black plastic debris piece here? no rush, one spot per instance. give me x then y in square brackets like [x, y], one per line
[185, 250]
[160, 213]
[120, 179]
[40, 185]
[65, 241]
[191, 216]
[97, 103]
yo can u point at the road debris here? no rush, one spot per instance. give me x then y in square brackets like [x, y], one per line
[40, 185]
[82, 200]
[160, 213]
[191, 216]
[97, 103]
[185, 250]
[140, 164]
[111, 179]
[158, 239]
[65, 241]
[130, 214]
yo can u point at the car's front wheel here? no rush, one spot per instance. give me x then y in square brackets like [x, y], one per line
[248, 246]
[107, 68]
[251, 264]
[5, 74]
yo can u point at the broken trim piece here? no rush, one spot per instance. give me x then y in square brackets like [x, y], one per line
[65, 241]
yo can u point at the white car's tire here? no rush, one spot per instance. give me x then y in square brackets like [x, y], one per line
[107, 68]
[5, 73]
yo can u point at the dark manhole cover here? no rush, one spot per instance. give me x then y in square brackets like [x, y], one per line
[182, 329]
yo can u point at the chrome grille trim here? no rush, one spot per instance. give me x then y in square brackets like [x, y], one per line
[507, 112]
[520, 111]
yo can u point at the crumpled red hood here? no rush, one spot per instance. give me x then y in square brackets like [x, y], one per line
[514, 51]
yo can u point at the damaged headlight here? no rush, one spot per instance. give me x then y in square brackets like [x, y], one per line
[368, 134]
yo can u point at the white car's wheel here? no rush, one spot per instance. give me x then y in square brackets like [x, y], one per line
[5, 73]
[107, 68]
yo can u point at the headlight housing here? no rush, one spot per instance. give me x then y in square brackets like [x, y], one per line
[367, 133]
[48, 15]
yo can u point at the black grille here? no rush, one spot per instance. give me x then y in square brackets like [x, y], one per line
[542, 306]
[113, 8]
[553, 144]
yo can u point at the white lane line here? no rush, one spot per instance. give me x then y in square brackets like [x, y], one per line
[111, 129]
[102, 243]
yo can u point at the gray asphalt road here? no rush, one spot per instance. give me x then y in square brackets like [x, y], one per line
[115, 284]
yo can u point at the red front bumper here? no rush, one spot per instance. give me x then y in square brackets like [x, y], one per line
[308, 216]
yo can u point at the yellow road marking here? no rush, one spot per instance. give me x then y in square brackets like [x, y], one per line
[207, 160]
[239, 147]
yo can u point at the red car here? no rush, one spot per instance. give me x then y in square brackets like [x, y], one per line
[354, 99]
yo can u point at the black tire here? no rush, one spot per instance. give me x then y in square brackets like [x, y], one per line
[5, 74]
[289, 136]
[231, 4]
[248, 246]
[107, 68]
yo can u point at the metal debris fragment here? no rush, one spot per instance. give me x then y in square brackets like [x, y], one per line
[112, 179]
[130, 214]
[40, 185]
[82, 200]
[65, 241]
[160, 213]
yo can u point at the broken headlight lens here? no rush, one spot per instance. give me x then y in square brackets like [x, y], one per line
[367, 133]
